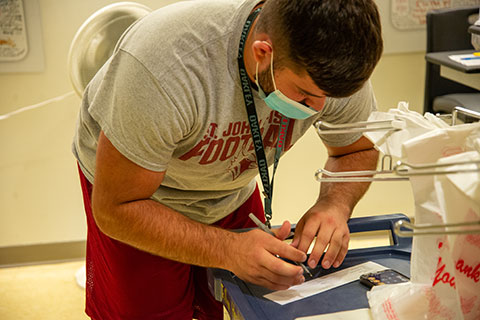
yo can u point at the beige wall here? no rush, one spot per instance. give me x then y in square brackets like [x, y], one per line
[40, 199]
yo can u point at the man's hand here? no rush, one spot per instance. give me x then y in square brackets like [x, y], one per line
[327, 219]
[330, 228]
[254, 259]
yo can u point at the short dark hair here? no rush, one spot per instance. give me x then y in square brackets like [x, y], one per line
[337, 42]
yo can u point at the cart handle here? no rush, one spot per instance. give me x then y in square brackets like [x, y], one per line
[382, 222]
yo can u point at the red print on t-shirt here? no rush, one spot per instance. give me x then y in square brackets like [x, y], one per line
[234, 144]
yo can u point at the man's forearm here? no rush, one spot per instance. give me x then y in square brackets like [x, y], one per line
[123, 209]
[252, 256]
[150, 226]
[345, 195]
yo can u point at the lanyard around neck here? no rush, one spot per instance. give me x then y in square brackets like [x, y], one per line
[255, 127]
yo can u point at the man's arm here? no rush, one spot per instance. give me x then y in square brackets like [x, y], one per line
[123, 210]
[327, 219]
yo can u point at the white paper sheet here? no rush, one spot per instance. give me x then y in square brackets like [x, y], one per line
[466, 59]
[321, 284]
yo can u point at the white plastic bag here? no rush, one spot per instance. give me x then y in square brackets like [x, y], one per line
[429, 148]
[399, 301]
[411, 123]
[462, 192]
[434, 257]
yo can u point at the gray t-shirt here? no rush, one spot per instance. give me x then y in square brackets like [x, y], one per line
[170, 99]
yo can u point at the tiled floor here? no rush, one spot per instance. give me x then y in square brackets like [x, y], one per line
[41, 292]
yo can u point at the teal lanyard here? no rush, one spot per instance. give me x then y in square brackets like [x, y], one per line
[255, 127]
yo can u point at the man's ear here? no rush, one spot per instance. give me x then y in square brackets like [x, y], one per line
[262, 51]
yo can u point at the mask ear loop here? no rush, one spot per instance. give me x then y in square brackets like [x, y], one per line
[271, 65]
[271, 68]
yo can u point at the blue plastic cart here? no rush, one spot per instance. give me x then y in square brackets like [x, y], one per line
[245, 301]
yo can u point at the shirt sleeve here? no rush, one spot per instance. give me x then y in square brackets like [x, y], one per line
[137, 115]
[355, 108]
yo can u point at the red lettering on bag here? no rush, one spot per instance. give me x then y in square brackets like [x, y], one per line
[469, 271]
[443, 276]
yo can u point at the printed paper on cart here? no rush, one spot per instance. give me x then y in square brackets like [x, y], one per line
[321, 284]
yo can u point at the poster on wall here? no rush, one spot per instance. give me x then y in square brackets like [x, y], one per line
[21, 37]
[411, 14]
[13, 32]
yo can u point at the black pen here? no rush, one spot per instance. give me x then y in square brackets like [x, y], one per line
[262, 226]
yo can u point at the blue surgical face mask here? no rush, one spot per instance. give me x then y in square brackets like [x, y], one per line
[281, 103]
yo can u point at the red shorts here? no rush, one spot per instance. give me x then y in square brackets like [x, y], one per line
[126, 283]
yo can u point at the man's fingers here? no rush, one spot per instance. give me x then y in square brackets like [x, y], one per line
[276, 284]
[286, 251]
[298, 233]
[323, 239]
[263, 265]
[343, 252]
[308, 233]
[267, 278]
[274, 276]
[280, 272]
[333, 250]
[272, 248]
[283, 232]
[282, 268]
